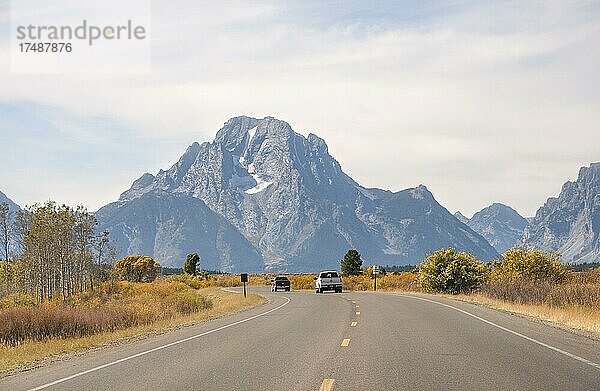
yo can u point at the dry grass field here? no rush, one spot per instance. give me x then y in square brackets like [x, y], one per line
[573, 303]
[31, 333]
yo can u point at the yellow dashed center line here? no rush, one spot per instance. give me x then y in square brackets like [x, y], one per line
[353, 324]
[345, 342]
[327, 385]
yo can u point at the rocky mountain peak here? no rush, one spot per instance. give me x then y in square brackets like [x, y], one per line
[234, 133]
[421, 192]
[248, 156]
[570, 223]
[499, 224]
[462, 218]
[239, 134]
[589, 179]
[292, 201]
[502, 213]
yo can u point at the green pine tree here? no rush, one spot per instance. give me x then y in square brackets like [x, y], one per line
[351, 264]
[190, 266]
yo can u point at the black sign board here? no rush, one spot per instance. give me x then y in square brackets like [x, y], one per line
[244, 277]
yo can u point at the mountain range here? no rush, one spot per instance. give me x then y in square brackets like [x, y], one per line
[261, 197]
[285, 203]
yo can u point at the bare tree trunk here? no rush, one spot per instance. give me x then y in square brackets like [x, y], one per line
[5, 229]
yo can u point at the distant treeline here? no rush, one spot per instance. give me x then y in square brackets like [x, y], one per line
[172, 271]
[581, 267]
[399, 268]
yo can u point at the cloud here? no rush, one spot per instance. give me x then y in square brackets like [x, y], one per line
[481, 102]
[51, 153]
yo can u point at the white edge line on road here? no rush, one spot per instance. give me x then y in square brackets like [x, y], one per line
[64, 379]
[573, 356]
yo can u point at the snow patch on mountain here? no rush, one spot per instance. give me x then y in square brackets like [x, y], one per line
[251, 134]
[261, 185]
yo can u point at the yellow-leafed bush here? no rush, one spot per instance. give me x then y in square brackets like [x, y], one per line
[137, 268]
[521, 263]
[449, 271]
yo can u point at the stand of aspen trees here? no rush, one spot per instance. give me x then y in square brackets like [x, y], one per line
[54, 251]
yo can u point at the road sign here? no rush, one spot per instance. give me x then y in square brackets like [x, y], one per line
[375, 273]
[244, 278]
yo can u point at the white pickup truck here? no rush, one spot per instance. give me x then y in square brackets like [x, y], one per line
[329, 281]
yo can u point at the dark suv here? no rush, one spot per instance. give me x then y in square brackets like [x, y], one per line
[280, 283]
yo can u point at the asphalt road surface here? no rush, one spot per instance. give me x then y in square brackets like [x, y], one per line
[348, 341]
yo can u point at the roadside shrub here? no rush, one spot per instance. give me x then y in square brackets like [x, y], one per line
[448, 271]
[137, 268]
[525, 264]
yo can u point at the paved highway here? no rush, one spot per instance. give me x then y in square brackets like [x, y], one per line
[349, 341]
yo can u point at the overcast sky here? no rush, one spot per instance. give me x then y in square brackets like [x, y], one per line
[481, 102]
